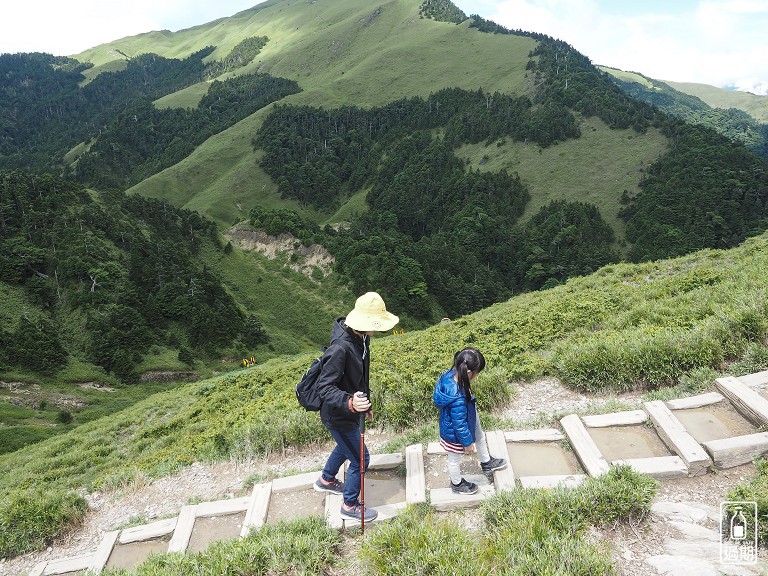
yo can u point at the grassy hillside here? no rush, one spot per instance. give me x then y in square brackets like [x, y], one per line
[595, 168]
[626, 326]
[348, 54]
[754, 105]
[648, 326]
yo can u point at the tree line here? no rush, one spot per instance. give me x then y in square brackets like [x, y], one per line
[705, 192]
[125, 270]
[46, 109]
[735, 124]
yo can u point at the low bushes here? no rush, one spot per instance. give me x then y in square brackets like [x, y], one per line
[526, 531]
[30, 519]
[651, 356]
[756, 490]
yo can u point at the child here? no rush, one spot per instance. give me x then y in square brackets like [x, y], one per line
[460, 430]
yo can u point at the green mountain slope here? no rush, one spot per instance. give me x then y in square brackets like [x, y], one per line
[457, 164]
[738, 115]
[340, 54]
[753, 104]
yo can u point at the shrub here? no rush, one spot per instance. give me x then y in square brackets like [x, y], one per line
[15, 437]
[755, 359]
[418, 541]
[186, 356]
[618, 495]
[691, 383]
[64, 417]
[644, 357]
[756, 490]
[538, 531]
[29, 520]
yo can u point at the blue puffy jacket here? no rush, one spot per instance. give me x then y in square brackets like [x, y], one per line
[457, 414]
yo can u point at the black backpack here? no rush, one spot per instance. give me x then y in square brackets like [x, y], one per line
[306, 392]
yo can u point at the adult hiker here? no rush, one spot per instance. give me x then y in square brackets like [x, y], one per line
[460, 429]
[344, 388]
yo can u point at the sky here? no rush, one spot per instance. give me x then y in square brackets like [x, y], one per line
[717, 42]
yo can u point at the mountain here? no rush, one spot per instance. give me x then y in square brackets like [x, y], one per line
[494, 177]
[740, 116]
[445, 161]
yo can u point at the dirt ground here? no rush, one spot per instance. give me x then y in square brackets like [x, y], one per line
[145, 501]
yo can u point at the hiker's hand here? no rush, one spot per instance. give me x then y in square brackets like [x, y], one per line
[469, 449]
[360, 402]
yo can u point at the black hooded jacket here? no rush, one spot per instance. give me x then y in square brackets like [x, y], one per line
[345, 371]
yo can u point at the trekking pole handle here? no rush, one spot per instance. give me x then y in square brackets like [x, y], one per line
[362, 414]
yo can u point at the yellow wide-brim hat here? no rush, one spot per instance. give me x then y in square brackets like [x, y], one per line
[370, 315]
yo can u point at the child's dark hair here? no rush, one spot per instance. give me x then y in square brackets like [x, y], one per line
[464, 361]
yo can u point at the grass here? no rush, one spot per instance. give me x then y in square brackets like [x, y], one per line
[755, 106]
[627, 76]
[755, 489]
[29, 520]
[340, 53]
[595, 168]
[343, 53]
[525, 531]
[301, 547]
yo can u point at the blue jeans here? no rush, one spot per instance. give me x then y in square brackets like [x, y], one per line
[347, 448]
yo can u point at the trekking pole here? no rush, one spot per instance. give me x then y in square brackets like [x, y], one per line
[362, 473]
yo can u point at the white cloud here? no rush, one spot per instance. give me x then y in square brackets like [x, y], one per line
[64, 28]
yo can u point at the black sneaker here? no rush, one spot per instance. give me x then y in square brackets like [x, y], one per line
[355, 512]
[464, 487]
[332, 486]
[493, 464]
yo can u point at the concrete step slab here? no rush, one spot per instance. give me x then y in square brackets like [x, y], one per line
[625, 418]
[415, 481]
[444, 499]
[156, 529]
[584, 447]
[659, 467]
[677, 438]
[541, 435]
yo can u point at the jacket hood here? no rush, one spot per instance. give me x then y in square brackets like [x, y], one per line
[339, 332]
[447, 390]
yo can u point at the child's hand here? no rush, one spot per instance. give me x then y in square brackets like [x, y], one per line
[469, 449]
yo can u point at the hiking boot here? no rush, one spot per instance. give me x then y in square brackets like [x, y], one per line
[464, 487]
[332, 486]
[493, 464]
[354, 512]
